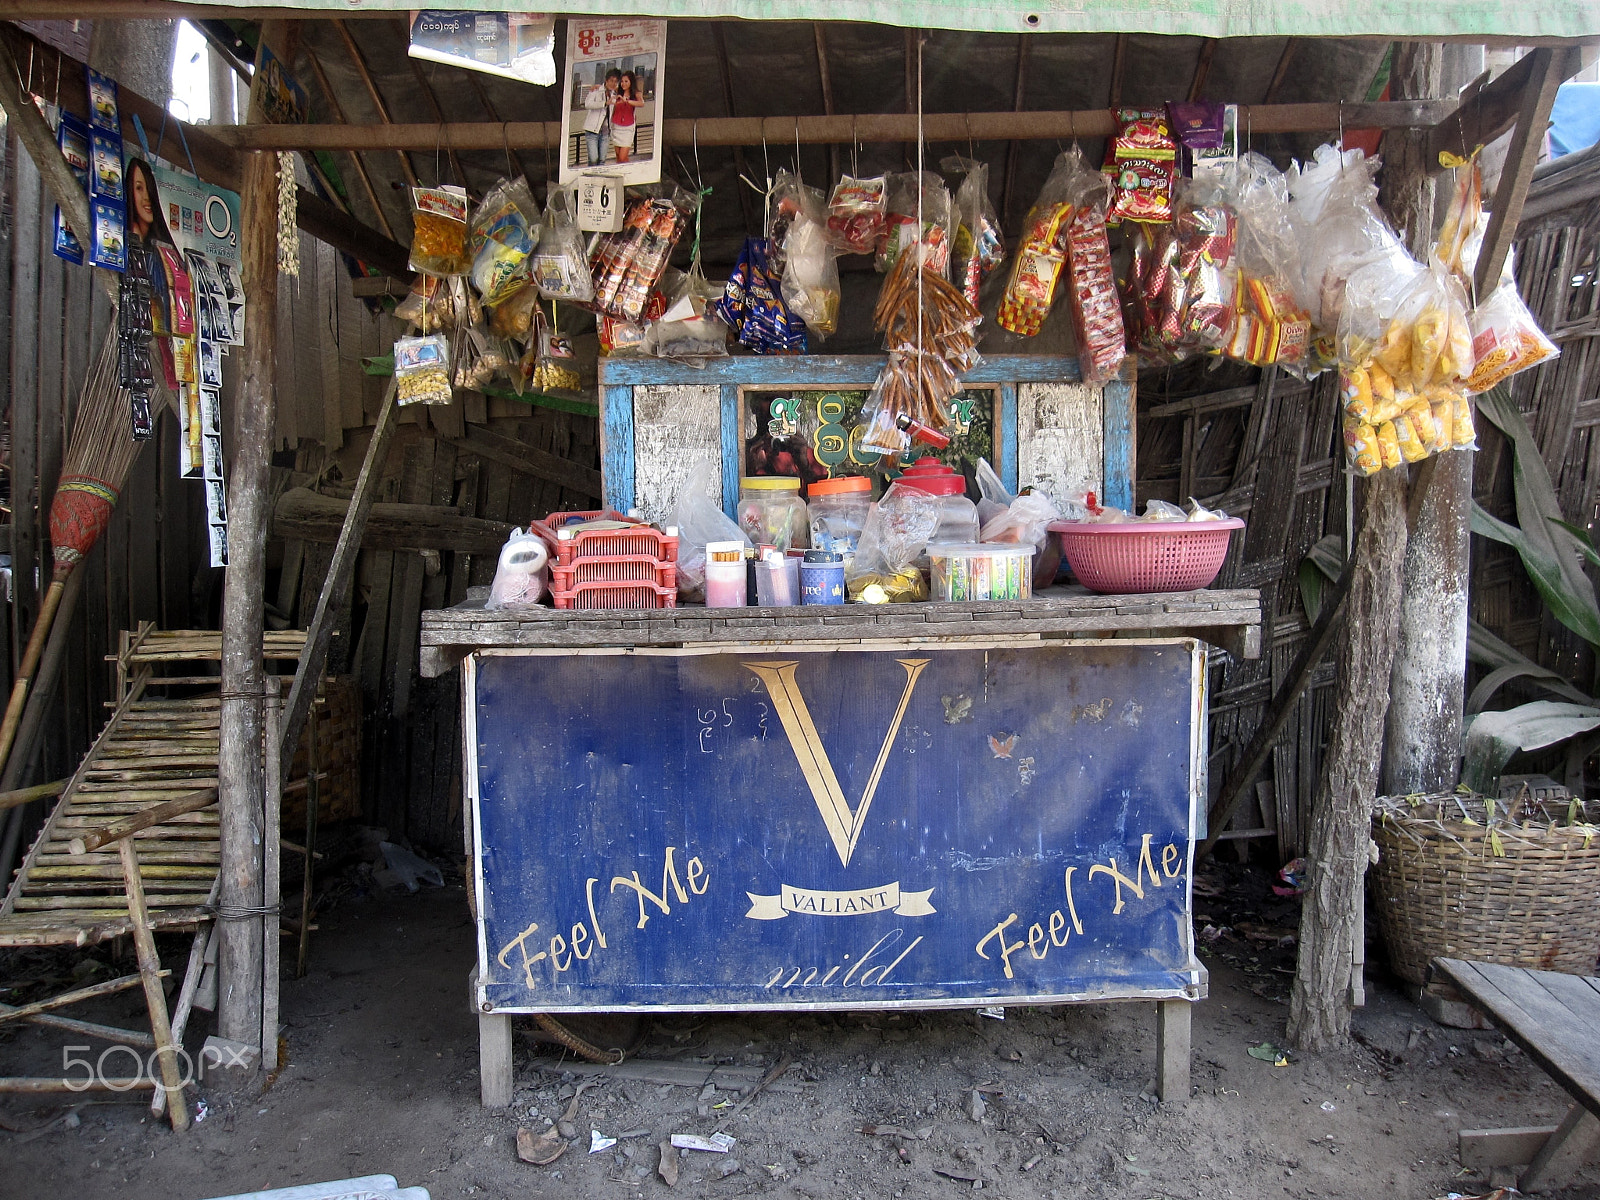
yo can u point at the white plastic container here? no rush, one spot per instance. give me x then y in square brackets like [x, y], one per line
[522, 574]
[727, 585]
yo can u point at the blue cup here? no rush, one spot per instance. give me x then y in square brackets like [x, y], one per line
[822, 578]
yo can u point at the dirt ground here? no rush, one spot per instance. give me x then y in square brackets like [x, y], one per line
[381, 1077]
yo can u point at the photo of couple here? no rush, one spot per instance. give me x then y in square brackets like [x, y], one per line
[617, 99]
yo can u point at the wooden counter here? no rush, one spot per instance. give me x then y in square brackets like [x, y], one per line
[1230, 620]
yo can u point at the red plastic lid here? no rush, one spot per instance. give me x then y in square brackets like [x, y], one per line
[932, 476]
[844, 485]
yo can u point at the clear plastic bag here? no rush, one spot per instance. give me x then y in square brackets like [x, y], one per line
[1037, 267]
[1162, 510]
[979, 245]
[439, 231]
[912, 196]
[628, 264]
[1092, 287]
[689, 329]
[791, 201]
[522, 574]
[811, 276]
[1505, 340]
[700, 520]
[897, 531]
[559, 268]
[1338, 227]
[505, 232]
[422, 370]
[1199, 512]
[857, 211]
[478, 359]
[993, 498]
[1026, 522]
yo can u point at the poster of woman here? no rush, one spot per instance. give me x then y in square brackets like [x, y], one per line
[147, 234]
[613, 99]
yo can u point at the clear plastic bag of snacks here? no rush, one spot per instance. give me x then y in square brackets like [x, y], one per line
[439, 244]
[505, 231]
[811, 276]
[422, 370]
[979, 245]
[1142, 160]
[1092, 287]
[1036, 269]
[628, 264]
[897, 531]
[857, 212]
[914, 197]
[559, 267]
[1505, 340]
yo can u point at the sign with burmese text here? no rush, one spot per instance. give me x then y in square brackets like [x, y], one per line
[943, 824]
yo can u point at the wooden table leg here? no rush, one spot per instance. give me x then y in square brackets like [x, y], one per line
[495, 1067]
[1575, 1140]
[155, 999]
[1172, 1051]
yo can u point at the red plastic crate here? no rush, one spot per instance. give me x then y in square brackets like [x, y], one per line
[636, 541]
[607, 595]
[557, 519]
[613, 568]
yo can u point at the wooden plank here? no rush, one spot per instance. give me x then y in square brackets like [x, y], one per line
[1525, 1008]
[1006, 443]
[1485, 1149]
[617, 447]
[1547, 69]
[1172, 1051]
[1119, 445]
[26, 537]
[303, 514]
[486, 443]
[1575, 1140]
[155, 998]
[1486, 113]
[466, 503]
[824, 370]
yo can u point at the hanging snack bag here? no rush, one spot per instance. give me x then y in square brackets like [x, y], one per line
[439, 231]
[689, 329]
[422, 370]
[792, 202]
[1092, 287]
[1505, 340]
[505, 230]
[628, 264]
[857, 212]
[752, 306]
[1037, 267]
[911, 196]
[1361, 447]
[1142, 160]
[811, 276]
[979, 246]
[559, 267]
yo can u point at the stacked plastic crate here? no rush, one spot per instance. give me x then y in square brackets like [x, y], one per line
[630, 565]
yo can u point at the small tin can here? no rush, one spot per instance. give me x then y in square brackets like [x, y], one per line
[822, 578]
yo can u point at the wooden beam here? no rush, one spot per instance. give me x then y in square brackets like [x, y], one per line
[360, 62]
[1291, 47]
[155, 997]
[432, 98]
[92, 839]
[336, 583]
[1485, 114]
[1533, 118]
[1202, 68]
[313, 517]
[1119, 60]
[725, 77]
[240, 761]
[486, 443]
[825, 78]
[840, 128]
[1019, 91]
[28, 795]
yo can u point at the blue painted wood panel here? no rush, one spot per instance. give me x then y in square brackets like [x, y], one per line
[1117, 406]
[823, 370]
[616, 446]
[732, 448]
[841, 828]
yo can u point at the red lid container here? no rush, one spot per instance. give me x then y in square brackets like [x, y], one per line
[932, 476]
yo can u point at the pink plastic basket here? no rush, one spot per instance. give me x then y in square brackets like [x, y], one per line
[1145, 556]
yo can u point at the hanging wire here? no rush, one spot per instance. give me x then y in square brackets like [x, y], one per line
[921, 148]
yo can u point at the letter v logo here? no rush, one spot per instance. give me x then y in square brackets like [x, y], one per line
[844, 826]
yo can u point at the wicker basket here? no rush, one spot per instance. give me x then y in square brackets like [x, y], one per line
[339, 750]
[1521, 889]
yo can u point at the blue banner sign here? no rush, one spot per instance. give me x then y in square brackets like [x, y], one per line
[839, 827]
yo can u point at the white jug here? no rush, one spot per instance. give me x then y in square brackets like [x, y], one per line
[523, 572]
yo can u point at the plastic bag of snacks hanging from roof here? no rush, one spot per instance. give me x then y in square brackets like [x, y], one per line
[439, 244]
[914, 198]
[979, 245]
[627, 265]
[1092, 288]
[753, 307]
[1036, 269]
[1142, 160]
[857, 213]
[505, 232]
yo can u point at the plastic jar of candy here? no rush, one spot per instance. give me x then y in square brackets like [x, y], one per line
[839, 509]
[958, 522]
[771, 512]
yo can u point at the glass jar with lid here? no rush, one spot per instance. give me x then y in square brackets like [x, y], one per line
[958, 518]
[771, 512]
[839, 509]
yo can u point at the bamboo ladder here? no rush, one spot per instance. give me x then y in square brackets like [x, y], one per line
[132, 847]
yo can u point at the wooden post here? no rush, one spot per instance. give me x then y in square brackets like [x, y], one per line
[1172, 1051]
[1330, 921]
[240, 767]
[272, 811]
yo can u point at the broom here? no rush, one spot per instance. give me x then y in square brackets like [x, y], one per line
[99, 455]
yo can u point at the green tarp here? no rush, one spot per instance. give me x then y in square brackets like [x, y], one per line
[1419, 19]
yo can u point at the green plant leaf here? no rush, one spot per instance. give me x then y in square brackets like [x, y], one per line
[1493, 737]
[1321, 565]
[1580, 535]
[1551, 558]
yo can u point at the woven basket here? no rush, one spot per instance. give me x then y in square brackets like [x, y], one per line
[1522, 889]
[339, 752]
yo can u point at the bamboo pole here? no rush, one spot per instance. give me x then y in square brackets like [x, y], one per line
[23, 1011]
[155, 998]
[93, 839]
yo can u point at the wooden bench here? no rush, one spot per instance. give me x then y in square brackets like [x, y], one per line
[1555, 1018]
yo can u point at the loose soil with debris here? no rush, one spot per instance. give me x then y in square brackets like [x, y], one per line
[381, 1077]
